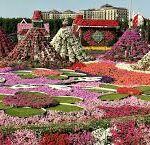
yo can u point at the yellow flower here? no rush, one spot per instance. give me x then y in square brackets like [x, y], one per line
[97, 48]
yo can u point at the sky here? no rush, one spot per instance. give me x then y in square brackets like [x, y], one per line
[25, 8]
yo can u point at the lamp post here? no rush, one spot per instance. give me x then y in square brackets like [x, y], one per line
[130, 12]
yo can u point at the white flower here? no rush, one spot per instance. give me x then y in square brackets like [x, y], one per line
[19, 86]
[60, 87]
[101, 135]
[89, 79]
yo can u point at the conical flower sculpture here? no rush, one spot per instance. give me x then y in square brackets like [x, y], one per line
[129, 47]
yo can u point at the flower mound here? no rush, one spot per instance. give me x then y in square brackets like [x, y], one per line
[130, 91]
[130, 47]
[43, 72]
[30, 100]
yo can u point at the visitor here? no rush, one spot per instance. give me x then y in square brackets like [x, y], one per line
[68, 45]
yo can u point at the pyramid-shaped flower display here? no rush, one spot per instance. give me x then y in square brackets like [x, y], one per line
[35, 51]
[5, 44]
[129, 47]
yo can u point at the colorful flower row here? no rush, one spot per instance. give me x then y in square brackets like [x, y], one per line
[120, 133]
[125, 110]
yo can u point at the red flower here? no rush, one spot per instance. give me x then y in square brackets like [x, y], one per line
[130, 91]
[126, 133]
[55, 139]
[3, 66]
[77, 66]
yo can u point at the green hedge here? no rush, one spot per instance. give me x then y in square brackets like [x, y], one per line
[61, 127]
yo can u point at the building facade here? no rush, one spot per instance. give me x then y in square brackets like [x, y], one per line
[106, 12]
[54, 14]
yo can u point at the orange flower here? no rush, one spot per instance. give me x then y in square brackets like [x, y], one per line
[121, 77]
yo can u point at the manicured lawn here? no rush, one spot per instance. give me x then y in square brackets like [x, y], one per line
[65, 99]
[100, 90]
[24, 112]
[144, 97]
[26, 75]
[74, 74]
[32, 93]
[1, 97]
[60, 77]
[65, 108]
[66, 70]
[144, 88]
[110, 86]
[2, 106]
[113, 97]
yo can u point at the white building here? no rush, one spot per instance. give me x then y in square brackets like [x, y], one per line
[106, 12]
[54, 14]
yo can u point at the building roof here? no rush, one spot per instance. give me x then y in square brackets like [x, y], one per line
[110, 6]
[54, 12]
[69, 12]
[95, 23]
[106, 6]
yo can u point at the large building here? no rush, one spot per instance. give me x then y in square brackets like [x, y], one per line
[54, 14]
[106, 12]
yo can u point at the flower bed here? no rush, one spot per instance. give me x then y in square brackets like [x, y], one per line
[33, 100]
[126, 133]
[123, 133]
[130, 91]
[77, 66]
[84, 138]
[121, 77]
[44, 125]
[125, 110]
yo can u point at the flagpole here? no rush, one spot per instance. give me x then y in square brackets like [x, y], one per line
[130, 12]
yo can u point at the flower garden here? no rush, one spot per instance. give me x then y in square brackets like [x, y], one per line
[91, 103]
[47, 100]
